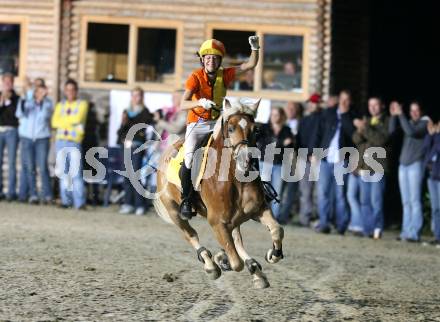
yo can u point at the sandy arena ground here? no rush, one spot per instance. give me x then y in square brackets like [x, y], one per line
[100, 266]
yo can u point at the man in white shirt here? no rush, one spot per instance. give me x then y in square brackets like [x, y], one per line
[336, 130]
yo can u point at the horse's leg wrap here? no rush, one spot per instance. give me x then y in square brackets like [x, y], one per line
[221, 259]
[199, 254]
[252, 265]
[278, 252]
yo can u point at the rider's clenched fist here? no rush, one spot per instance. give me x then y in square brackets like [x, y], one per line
[206, 104]
[254, 41]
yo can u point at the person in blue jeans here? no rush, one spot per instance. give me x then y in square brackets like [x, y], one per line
[34, 129]
[306, 138]
[355, 226]
[136, 114]
[69, 120]
[411, 170]
[371, 139]
[336, 130]
[8, 134]
[432, 165]
[275, 135]
[28, 94]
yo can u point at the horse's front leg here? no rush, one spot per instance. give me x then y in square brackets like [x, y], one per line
[274, 254]
[259, 278]
[224, 237]
[203, 254]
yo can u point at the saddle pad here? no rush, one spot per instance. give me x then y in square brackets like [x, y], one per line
[175, 164]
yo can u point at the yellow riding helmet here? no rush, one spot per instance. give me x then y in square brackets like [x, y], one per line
[212, 47]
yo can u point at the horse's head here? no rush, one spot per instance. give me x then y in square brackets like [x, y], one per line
[238, 128]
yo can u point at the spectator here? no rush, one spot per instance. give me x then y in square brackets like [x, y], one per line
[69, 119]
[306, 138]
[137, 113]
[29, 87]
[173, 120]
[91, 139]
[289, 192]
[336, 130]
[247, 84]
[8, 134]
[356, 225]
[332, 101]
[294, 113]
[410, 167]
[269, 81]
[432, 165]
[290, 78]
[277, 135]
[34, 131]
[372, 132]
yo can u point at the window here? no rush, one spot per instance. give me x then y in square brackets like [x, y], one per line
[282, 62]
[237, 51]
[10, 48]
[131, 52]
[156, 54]
[107, 53]
[282, 69]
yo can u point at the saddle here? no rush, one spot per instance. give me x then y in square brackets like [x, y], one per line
[198, 166]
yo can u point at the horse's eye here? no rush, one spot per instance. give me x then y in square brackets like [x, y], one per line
[231, 129]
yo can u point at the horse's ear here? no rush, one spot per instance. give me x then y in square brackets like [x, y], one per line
[227, 104]
[254, 106]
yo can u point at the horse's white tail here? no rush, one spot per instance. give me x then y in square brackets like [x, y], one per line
[161, 210]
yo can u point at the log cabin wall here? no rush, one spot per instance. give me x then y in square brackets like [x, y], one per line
[39, 38]
[196, 16]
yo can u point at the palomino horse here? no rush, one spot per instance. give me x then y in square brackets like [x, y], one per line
[226, 203]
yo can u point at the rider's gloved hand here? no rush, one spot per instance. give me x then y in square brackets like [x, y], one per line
[206, 104]
[254, 41]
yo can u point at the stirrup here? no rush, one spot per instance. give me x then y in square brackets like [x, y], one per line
[270, 192]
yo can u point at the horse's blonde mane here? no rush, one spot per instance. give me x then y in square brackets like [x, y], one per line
[232, 107]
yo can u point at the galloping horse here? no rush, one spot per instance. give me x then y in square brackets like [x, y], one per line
[225, 202]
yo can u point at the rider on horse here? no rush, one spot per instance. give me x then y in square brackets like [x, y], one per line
[205, 90]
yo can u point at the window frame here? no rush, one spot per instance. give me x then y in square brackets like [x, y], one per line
[133, 26]
[261, 30]
[23, 21]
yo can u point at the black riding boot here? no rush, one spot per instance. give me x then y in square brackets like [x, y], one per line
[186, 211]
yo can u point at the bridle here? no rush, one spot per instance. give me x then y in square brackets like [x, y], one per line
[269, 191]
[226, 139]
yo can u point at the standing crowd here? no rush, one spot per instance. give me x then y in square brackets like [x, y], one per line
[322, 201]
[354, 201]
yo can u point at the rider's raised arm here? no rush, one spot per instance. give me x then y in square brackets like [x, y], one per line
[253, 58]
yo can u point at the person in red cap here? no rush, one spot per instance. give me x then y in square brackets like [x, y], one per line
[307, 138]
[315, 98]
[205, 90]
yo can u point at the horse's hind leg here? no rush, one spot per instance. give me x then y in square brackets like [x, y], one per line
[274, 254]
[259, 278]
[203, 254]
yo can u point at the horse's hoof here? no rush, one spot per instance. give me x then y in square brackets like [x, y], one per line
[271, 258]
[215, 272]
[260, 283]
[221, 259]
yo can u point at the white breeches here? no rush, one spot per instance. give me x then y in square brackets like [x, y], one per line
[195, 132]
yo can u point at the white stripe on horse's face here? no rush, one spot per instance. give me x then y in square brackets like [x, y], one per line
[242, 124]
